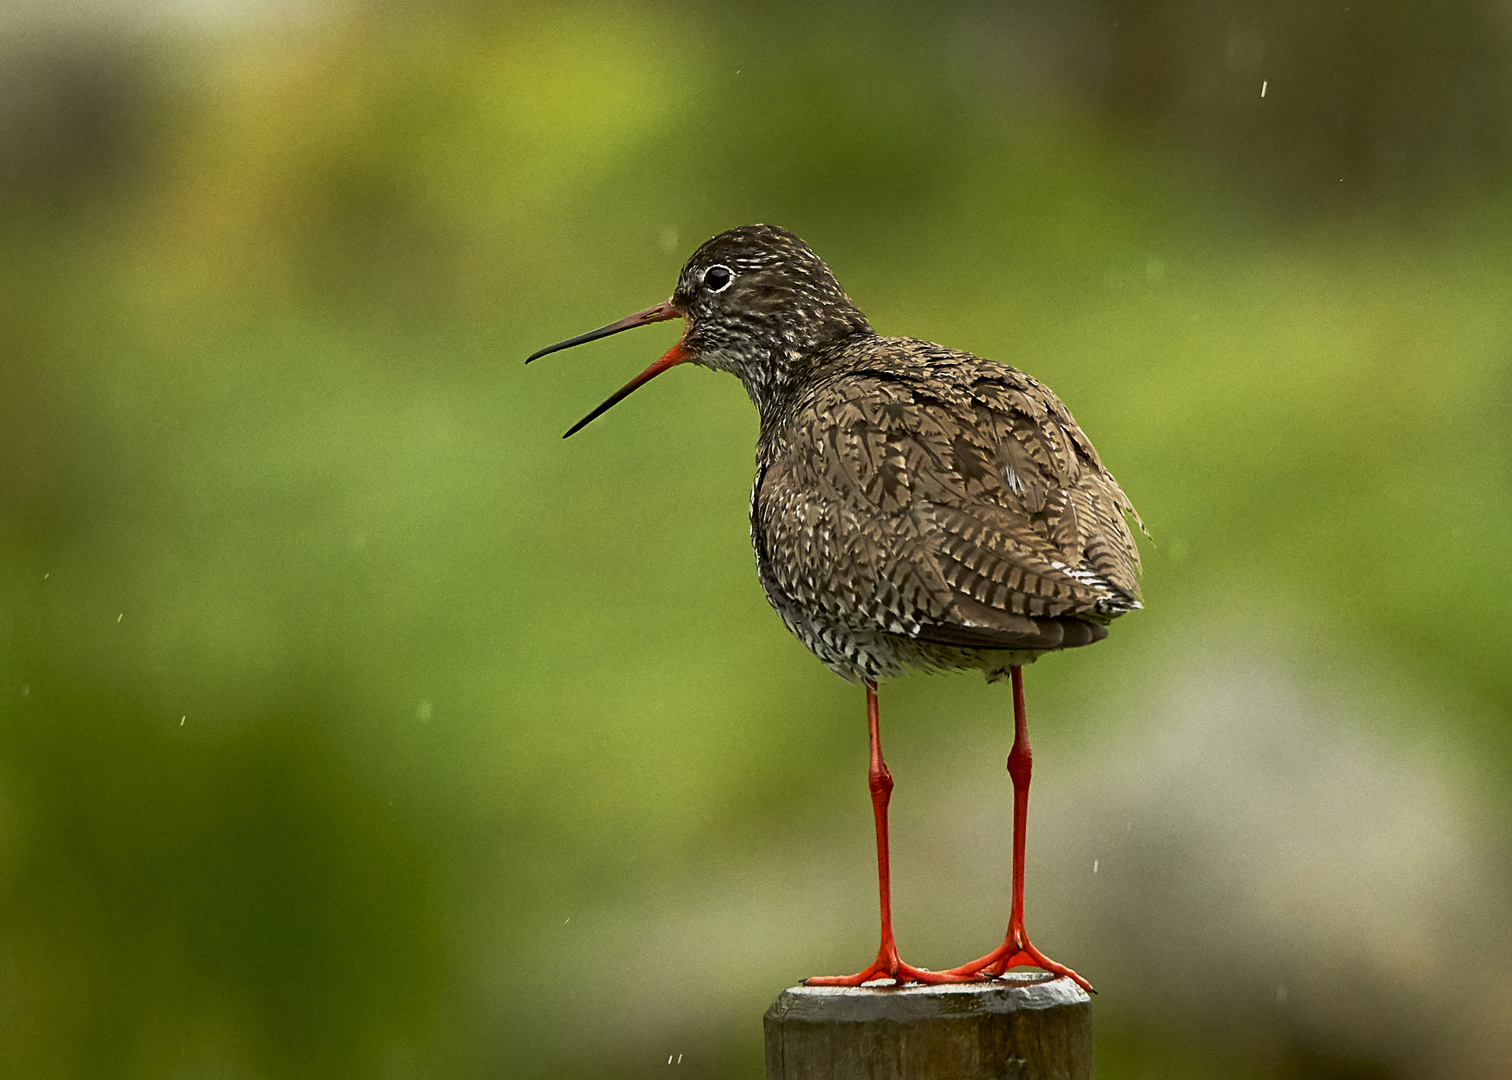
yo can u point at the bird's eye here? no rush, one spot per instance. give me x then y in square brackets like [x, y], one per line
[717, 278]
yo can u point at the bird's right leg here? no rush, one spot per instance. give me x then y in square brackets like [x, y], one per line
[1017, 950]
[888, 964]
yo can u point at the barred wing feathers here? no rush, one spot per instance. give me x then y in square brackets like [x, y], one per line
[950, 499]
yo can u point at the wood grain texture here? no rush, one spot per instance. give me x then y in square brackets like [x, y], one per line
[1016, 1028]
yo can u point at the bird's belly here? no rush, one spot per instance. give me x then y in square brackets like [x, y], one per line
[855, 653]
[865, 652]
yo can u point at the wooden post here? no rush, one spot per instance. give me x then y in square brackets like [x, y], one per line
[1020, 1027]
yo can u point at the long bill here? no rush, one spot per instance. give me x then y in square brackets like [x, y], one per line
[672, 357]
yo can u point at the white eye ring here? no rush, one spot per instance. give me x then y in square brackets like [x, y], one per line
[728, 274]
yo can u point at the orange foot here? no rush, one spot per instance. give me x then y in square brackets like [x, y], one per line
[889, 966]
[1015, 951]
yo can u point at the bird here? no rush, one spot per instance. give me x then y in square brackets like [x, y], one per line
[915, 508]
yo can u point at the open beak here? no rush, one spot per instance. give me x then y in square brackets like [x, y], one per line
[673, 356]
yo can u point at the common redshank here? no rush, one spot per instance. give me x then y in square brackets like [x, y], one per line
[915, 507]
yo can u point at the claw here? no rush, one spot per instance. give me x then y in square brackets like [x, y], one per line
[1016, 951]
[889, 966]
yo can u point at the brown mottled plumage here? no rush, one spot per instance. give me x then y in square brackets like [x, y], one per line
[914, 506]
[921, 507]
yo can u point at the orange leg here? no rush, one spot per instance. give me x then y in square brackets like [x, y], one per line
[1016, 949]
[888, 965]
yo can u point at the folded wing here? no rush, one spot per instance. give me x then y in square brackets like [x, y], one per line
[967, 510]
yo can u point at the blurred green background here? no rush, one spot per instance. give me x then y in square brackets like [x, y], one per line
[354, 725]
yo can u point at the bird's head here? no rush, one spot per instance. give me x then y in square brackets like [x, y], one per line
[756, 301]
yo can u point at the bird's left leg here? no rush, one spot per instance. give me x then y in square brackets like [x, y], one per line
[888, 964]
[1017, 950]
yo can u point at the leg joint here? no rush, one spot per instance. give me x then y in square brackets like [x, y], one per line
[1020, 762]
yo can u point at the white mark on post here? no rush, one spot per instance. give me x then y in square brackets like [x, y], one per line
[1263, 84]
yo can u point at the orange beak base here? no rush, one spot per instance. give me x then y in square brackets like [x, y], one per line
[673, 356]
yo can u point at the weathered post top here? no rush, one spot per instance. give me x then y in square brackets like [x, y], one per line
[1019, 1027]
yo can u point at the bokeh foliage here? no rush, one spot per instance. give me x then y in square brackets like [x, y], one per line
[334, 686]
